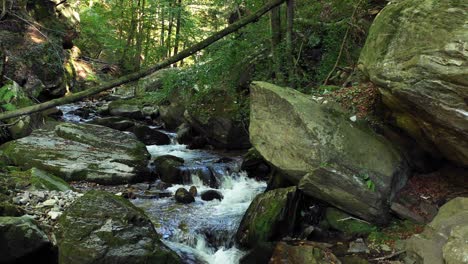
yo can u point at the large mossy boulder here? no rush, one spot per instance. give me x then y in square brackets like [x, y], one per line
[445, 239]
[36, 55]
[331, 158]
[81, 152]
[100, 227]
[266, 218]
[22, 242]
[416, 54]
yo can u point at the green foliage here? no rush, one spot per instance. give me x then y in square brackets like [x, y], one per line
[367, 181]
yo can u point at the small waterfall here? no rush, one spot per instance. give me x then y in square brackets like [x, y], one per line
[204, 231]
[201, 232]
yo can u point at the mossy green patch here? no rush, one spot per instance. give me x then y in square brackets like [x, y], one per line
[347, 224]
[260, 222]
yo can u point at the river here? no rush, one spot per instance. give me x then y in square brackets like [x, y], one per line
[203, 231]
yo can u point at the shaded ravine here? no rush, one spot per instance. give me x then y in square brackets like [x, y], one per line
[203, 231]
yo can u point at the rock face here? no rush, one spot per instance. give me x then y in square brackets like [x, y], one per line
[416, 53]
[264, 219]
[81, 152]
[37, 59]
[444, 240]
[331, 158]
[103, 228]
[22, 241]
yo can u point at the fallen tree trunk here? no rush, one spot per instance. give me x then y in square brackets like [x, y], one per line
[139, 74]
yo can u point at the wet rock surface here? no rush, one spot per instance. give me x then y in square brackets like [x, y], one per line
[330, 157]
[81, 152]
[419, 63]
[104, 228]
[22, 241]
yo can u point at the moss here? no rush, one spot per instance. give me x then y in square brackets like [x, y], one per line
[260, 223]
[345, 223]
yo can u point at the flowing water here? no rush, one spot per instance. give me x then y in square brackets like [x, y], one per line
[203, 231]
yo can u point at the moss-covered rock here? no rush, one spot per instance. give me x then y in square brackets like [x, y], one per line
[37, 60]
[100, 227]
[219, 117]
[22, 241]
[444, 240]
[44, 181]
[331, 158]
[168, 168]
[301, 252]
[261, 223]
[416, 54]
[343, 222]
[81, 152]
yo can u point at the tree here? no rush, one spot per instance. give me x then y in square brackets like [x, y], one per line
[142, 73]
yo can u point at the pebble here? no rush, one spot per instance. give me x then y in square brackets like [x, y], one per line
[45, 206]
[54, 214]
[358, 246]
[50, 202]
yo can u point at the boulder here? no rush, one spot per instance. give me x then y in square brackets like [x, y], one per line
[185, 134]
[81, 152]
[193, 191]
[22, 241]
[416, 54]
[126, 109]
[220, 131]
[255, 165]
[184, 196]
[211, 195]
[301, 252]
[444, 240]
[331, 157]
[265, 218]
[100, 227]
[150, 136]
[37, 61]
[168, 168]
[114, 122]
[172, 115]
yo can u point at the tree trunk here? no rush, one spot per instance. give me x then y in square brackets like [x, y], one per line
[2, 65]
[142, 73]
[140, 34]
[169, 29]
[289, 37]
[275, 24]
[177, 33]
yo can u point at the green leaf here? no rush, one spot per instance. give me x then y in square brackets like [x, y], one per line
[8, 107]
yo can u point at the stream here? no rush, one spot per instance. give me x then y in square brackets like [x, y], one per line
[203, 231]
